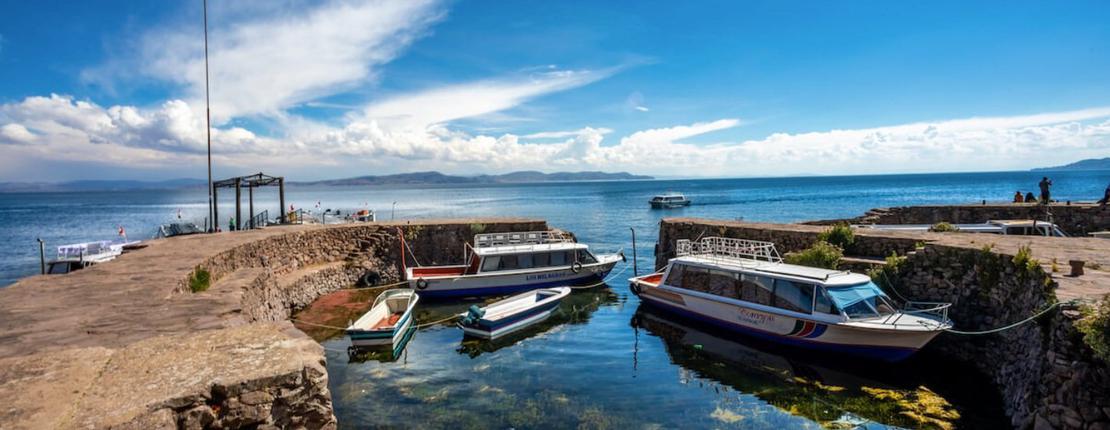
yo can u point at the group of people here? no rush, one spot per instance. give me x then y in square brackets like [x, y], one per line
[1046, 195]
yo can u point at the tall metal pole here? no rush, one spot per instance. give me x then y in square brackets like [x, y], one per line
[208, 119]
[635, 270]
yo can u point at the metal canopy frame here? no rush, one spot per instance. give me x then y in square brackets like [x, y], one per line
[250, 182]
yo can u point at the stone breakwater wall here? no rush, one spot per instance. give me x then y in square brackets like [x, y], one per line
[296, 268]
[1076, 219]
[1046, 376]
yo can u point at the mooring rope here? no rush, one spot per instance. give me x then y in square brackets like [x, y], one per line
[603, 281]
[1004, 328]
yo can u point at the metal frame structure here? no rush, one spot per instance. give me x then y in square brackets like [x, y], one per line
[250, 182]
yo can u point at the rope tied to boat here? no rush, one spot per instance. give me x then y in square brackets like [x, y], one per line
[603, 281]
[1014, 325]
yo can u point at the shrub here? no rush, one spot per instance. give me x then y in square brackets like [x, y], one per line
[1095, 326]
[1024, 259]
[880, 275]
[199, 280]
[821, 254]
[840, 235]
[942, 227]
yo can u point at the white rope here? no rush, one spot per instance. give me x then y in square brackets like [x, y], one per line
[1004, 328]
[603, 281]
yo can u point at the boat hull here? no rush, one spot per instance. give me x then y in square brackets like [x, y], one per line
[381, 339]
[485, 330]
[885, 345]
[494, 284]
[669, 205]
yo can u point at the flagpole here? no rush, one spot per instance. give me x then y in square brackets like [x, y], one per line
[208, 122]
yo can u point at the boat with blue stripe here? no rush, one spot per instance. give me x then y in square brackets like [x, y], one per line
[743, 286]
[508, 263]
[512, 314]
[387, 323]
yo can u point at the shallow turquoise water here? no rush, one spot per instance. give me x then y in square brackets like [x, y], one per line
[603, 361]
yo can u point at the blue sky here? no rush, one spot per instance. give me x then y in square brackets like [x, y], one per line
[325, 89]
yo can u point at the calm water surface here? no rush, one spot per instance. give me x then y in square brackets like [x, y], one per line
[603, 360]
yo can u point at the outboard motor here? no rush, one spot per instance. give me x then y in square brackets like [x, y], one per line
[473, 315]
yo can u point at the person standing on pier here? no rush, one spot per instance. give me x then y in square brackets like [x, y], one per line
[1045, 195]
[231, 224]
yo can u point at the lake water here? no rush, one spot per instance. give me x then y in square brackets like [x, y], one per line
[603, 360]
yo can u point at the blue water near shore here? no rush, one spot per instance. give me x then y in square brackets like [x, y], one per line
[603, 360]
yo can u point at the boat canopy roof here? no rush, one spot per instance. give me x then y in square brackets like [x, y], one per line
[670, 194]
[528, 248]
[812, 275]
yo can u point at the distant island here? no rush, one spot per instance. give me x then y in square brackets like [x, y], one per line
[433, 178]
[417, 178]
[1088, 164]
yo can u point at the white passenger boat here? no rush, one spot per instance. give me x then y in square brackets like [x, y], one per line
[669, 200]
[78, 256]
[1014, 227]
[387, 322]
[514, 313]
[504, 263]
[744, 286]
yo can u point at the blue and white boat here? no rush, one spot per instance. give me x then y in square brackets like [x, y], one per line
[512, 314]
[387, 323]
[506, 263]
[743, 286]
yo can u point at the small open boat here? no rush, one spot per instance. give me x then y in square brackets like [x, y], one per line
[387, 322]
[512, 314]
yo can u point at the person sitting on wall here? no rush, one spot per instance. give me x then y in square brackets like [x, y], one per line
[1029, 198]
[1105, 197]
[1018, 197]
[1045, 184]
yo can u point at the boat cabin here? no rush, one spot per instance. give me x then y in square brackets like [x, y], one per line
[506, 252]
[798, 289]
[1005, 227]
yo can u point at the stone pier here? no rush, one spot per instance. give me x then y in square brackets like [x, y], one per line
[1076, 219]
[129, 344]
[1046, 375]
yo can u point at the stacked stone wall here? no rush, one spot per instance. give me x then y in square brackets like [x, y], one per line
[1075, 219]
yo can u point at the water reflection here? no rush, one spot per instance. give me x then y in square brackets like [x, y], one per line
[833, 392]
[575, 308]
[361, 355]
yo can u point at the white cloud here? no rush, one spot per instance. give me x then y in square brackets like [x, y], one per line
[564, 134]
[273, 58]
[15, 134]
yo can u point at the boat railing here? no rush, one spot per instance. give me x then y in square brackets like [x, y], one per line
[521, 238]
[86, 250]
[729, 248]
[936, 309]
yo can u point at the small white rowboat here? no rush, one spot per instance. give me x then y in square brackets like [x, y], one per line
[387, 322]
[512, 314]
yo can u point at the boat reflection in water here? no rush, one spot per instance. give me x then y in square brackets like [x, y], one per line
[361, 355]
[830, 392]
[575, 308]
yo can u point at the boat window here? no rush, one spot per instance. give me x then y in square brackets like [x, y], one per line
[757, 289]
[559, 258]
[674, 277]
[861, 301]
[822, 303]
[508, 262]
[585, 257]
[490, 263]
[724, 284]
[541, 259]
[696, 278]
[58, 268]
[793, 296]
[524, 261]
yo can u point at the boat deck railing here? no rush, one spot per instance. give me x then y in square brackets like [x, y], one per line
[521, 238]
[936, 309]
[87, 250]
[728, 248]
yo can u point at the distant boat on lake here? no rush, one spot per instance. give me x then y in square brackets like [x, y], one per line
[669, 200]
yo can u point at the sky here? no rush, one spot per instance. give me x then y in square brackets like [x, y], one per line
[327, 89]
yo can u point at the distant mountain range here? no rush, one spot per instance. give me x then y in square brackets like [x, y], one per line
[1088, 164]
[418, 178]
[421, 178]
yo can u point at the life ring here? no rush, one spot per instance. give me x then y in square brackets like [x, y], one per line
[576, 267]
[421, 283]
[370, 279]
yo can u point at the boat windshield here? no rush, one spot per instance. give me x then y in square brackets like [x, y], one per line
[861, 300]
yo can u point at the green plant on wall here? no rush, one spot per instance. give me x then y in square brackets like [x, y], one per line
[413, 232]
[199, 279]
[942, 227]
[1025, 262]
[821, 254]
[890, 269]
[1095, 326]
[840, 235]
[477, 228]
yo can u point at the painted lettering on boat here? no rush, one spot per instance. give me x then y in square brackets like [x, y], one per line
[546, 276]
[756, 318]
